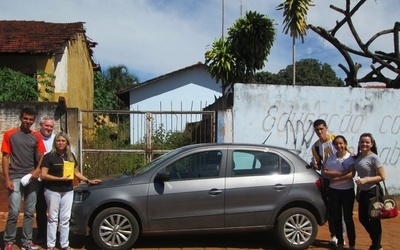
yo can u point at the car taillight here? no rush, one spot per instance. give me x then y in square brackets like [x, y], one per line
[320, 184]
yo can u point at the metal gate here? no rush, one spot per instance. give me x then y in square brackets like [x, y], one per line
[146, 133]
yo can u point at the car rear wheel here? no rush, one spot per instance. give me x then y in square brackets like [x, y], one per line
[296, 228]
[115, 228]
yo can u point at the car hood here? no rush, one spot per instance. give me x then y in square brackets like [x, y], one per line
[110, 180]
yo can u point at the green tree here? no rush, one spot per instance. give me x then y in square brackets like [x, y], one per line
[266, 77]
[221, 63]
[295, 20]
[120, 77]
[17, 87]
[104, 96]
[108, 83]
[385, 66]
[251, 39]
[236, 58]
[310, 72]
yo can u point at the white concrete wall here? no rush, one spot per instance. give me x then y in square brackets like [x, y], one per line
[191, 89]
[61, 71]
[224, 126]
[186, 90]
[285, 114]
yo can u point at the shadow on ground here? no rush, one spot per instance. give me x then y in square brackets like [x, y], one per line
[249, 240]
[252, 240]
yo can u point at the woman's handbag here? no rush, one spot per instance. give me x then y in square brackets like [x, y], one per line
[382, 207]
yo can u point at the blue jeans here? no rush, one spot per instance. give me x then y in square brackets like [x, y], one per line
[14, 207]
[59, 205]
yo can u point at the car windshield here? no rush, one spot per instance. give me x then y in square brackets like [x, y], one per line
[161, 158]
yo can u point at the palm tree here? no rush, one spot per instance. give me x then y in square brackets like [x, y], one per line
[251, 38]
[120, 77]
[108, 83]
[221, 63]
[295, 20]
[236, 58]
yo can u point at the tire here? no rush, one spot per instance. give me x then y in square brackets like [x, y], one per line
[296, 228]
[115, 229]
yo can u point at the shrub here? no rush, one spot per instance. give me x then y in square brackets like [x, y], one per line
[98, 164]
[17, 87]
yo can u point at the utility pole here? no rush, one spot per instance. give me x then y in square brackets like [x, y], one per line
[294, 61]
[223, 17]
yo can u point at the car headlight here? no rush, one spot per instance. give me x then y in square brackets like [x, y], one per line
[81, 196]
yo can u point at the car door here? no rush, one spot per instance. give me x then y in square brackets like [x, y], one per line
[193, 197]
[258, 182]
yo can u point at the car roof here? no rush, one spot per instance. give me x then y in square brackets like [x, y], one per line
[246, 145]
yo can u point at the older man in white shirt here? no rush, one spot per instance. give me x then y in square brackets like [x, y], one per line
[46, 130]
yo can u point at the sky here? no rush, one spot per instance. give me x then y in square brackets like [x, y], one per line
[156, 37]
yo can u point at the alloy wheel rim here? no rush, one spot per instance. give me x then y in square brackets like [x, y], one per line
[115, 230]
[298, 229]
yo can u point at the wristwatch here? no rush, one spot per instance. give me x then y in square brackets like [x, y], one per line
[87, 181]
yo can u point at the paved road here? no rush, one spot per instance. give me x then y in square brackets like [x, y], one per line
[258, 240]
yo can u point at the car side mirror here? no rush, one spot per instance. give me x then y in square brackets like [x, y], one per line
[162, 176]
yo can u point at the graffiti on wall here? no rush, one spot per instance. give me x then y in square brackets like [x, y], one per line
[283, 116]
[298, 131]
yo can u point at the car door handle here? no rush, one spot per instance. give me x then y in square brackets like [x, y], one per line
[215, 191]
[279, 187]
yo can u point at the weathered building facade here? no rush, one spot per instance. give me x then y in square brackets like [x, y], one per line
[61, 49]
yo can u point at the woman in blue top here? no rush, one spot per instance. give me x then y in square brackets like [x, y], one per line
[371, 171]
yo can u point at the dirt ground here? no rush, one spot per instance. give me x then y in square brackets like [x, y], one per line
[259, 240]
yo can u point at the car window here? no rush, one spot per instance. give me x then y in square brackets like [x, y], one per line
[258, 163]
[199, 165]
[245, 160]
[285, 167]
[153, 163]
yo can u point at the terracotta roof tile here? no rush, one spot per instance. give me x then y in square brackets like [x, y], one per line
[36, 36]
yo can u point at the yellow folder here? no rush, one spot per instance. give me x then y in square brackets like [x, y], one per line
[69, 169]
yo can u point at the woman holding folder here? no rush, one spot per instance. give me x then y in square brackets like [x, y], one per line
[59, 167]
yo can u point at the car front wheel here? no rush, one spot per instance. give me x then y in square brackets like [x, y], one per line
[296, 228]
[115, 228]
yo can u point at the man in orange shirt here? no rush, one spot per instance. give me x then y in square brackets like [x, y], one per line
[23, 151]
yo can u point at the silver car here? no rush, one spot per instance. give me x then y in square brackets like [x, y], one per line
[205, 188]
